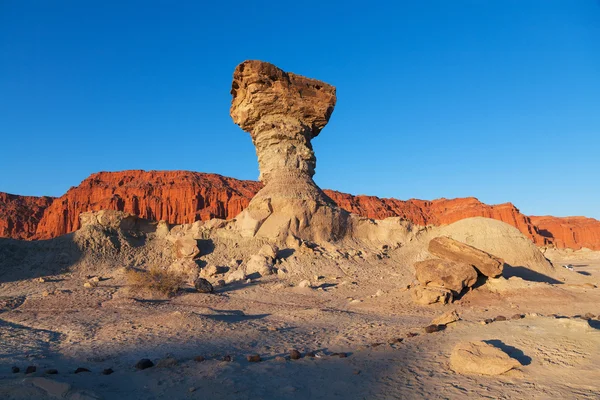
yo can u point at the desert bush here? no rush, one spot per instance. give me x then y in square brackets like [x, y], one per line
[155, 281]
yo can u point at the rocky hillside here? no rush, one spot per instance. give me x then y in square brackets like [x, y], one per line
[183, 197]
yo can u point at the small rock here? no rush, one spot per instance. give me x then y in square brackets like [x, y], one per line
[434, 328]
[81, 369]
[30, 369]
[227, 358]
[310, 354]
[295, 354]
[517, 316]
[94, 279]
[272, 328]
[254, 358]
[199, 358]
[447, 318]
[395, 340]
[192, 389]
[144, 363]
[203, 286]
[166, 362]
[280, 359]
[500, 318]
[304, 284]
[589, 316]
[209, 270]
[15, 370]
[45, 293]
[51, 371]
[221, 283]
[487, 321]
[411, 334]
[90, 285]
[107, 371]
[235, 276]
[356, 371]
[41, 280]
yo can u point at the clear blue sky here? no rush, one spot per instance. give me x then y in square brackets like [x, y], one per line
[497, 99]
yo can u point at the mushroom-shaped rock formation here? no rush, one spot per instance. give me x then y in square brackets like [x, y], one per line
[283, 112]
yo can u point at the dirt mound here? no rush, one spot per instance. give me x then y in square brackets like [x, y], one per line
[502, 240]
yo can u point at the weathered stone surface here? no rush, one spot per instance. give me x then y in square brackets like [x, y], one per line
[446, 318]
[451, 275]
[480, 358]
[283, 112]
[259, 264]
[185, 247]
[430, 295]
[454, 250]
[203, 286]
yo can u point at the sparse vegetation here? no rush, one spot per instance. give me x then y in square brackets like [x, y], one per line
[155, 281]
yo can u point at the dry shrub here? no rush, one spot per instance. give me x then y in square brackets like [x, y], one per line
[155, 281]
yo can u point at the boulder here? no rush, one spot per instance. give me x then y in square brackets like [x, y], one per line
[185, 247]
[203, 286]
[259, 264]
[451, 275]
[480, 358]
[269, 250]
[450, 249]
[429, 295]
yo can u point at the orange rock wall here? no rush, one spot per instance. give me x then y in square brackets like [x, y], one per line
[184, 197]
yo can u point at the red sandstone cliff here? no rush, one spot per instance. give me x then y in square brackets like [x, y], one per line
[183, 197]
[20, 215]
[177, 197]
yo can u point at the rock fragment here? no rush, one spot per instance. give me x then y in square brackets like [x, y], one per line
[144, 363]
[254, 358]
[295, 354]
[480, 358]
[434, 328]
[166, 362]
[450, 249]
[81, 369]
[430, 295]
[203, 286]
[15, 370]
[30, 369]
[447, 318]
[107, 371]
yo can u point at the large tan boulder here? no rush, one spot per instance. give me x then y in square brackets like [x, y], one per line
[185, 247]
[450, 275]
[430, 295]
[450, 249]
[480, 358]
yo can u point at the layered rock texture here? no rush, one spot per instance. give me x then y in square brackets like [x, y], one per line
[20, 215]
[180, 197]
[283, 112]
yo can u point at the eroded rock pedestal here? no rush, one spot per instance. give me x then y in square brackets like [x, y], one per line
[283, 112]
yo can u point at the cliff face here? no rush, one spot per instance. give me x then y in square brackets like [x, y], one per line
[569, 232]
[20, 215]
[184, 197]
[177, 197]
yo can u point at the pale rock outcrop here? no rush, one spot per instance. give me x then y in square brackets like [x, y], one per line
[451, 275]
[480, 358]
[450, 249]
[283, 112]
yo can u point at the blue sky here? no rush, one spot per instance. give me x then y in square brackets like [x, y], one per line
[496, 99]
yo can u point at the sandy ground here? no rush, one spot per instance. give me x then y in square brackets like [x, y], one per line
[364, 311]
